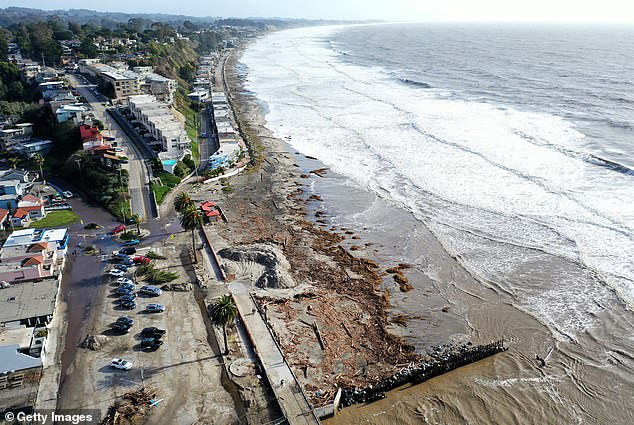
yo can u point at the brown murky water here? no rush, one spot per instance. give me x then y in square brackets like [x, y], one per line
[588, 378]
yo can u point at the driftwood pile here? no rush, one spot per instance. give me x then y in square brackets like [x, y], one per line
[94, 342]
[132, 408]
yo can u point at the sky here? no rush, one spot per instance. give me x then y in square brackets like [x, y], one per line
[401, 10]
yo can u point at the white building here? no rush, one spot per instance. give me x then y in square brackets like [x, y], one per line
[161, 124]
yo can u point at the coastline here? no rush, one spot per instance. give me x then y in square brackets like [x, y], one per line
[340, 288]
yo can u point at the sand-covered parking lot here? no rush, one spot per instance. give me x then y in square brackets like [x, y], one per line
[185, 370]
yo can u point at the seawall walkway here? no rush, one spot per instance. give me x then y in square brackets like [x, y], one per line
[286, 389]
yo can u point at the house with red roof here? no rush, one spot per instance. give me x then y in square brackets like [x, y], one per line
[22, 216]
[32, 262]
[210, 211]
[30, 200]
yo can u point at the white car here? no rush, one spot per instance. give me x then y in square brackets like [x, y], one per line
[124, 280]
[67, 194]
[121, 364]
[116, 273]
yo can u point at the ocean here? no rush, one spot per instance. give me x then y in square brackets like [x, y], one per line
[499, 161]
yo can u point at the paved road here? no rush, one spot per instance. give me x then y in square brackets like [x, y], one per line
[138, 183]
[205, 142]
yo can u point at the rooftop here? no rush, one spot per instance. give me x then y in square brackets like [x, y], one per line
[28, 299]
[11, 360]
[29, 236]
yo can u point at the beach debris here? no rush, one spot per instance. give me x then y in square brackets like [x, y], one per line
[132, 408]
[542, 362]
[177, 287]
[94, 342]
[399, 320]
[319, 171]
[399, 278]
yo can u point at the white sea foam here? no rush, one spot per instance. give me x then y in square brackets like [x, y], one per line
[479, 175]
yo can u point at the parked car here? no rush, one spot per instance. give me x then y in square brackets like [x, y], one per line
[151, 290]
[120, 228]
[128, 251]
[127, 262]
[67, 194]
[125, 319]
[129, 297]
[155, 308]
[121, 267]
[132, 242]
[151, 343]
[128, 305]
[123, 291]
[153, 332]
[118, 255]
[123, 280]
[116, 272]
[121, 327]
[140, 259]
[121, 364]
[128, 286]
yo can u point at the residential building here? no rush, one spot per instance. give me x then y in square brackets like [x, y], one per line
[161, 87]
[20, 375]
[162, 125]
[22, 216]
[22, 176]
[125, 85]
[29, 263]
[12, 187]
[9, 201]
[31, 147]
[4, 219]
[71, 112]
[58, 237]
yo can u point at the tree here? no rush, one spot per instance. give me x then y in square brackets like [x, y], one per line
[13, 162]
[4, 45]
[223, 312]
[192, 219]
[88, 48]
[38, 159]
[183, 201]
[136, 219]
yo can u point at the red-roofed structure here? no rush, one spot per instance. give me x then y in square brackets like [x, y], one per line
[87, 132]
[4, 215]
[210, 211]
[23, 215]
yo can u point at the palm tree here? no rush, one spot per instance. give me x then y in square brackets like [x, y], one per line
[38, 159]
[183, 201]
[136, 219]
[223, 312]
[192, 219]
[13, 162]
